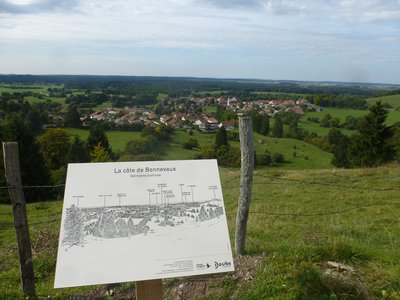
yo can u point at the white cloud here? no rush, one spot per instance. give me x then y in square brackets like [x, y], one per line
[336, 32]
[35, 6]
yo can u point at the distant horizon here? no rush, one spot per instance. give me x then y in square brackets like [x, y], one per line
[206, 78]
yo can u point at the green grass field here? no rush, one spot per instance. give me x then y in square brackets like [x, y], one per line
[298, 155]
[393, 117]
[34, 89]
[321, 131]
[299, 221]
[393, 100]
[117, 139]
[24, 88]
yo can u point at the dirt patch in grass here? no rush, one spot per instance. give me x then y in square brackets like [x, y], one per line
[215, 286]
[218, 286]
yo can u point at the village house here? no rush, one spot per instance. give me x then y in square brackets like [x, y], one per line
[208, 123]
[228, 125]
[221, 101]
[232, 102]
[296, 109]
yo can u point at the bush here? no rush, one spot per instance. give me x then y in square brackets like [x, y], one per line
[190, 144]
[278, 158]
[143, 146]
[207, 152]
[228, 157]
[233, 135]
[264, 159]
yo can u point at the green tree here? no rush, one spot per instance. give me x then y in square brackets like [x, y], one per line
[221, 139]
[373, 143]
[72, 118]
[160, 132]
[326, 120]
[97, 135]
[293, 131]
[54, 146]
[78, 151]
[396, 141]
[277, 130]
[278, 158]
[34, 121]
[264, 125]
[334, 137]
[208, 151]
[99, 154]
[341, 155]
[220, 110]
[33, 168]
[190, 144]
[141, 146]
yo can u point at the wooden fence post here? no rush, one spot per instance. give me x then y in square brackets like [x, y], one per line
[13, 177]
[246, 181]
[149, 290]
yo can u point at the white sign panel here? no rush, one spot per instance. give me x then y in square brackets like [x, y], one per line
[131, 221]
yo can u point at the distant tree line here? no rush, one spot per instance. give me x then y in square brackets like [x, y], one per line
[185, 86]
[338, 101]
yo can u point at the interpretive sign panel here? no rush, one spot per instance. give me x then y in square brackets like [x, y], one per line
[131, 221]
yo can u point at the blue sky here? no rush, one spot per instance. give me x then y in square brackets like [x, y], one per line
[335, 40]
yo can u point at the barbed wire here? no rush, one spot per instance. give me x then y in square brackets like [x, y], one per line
[44, 222]
[31, 186]
[271, 180]
[35, 223]
[306, 182]
[329, 184]
[333, 212]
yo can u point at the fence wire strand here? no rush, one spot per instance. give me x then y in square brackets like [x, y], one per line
[269, 180]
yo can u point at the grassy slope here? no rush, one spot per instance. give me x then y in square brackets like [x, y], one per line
[307, 156]
[295, 248]
[298, 154]
[393, 117]
[393, 100]
[117, 139]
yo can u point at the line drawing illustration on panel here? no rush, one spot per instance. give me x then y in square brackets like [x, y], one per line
[127, 221]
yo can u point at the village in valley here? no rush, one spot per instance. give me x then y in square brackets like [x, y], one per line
[188, 112]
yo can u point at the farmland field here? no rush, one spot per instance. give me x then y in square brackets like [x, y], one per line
[393, 117]
[393, 100]
[20, 88]
[298, 154]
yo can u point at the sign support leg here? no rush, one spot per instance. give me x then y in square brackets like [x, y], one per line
[149, 290]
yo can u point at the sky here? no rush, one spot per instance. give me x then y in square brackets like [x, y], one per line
[318, 40]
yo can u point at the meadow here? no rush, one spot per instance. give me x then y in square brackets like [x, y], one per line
[341, 113]
[20, 88]
[298, 154]
[393, 100]
[299, 220]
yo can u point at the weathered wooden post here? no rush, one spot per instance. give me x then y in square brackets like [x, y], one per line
[149, 290]
[13, 177]
[246, 181]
